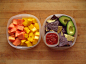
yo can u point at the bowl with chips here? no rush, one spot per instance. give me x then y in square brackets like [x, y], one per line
[66, 28]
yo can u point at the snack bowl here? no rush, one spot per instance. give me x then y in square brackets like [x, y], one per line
[43, 31]
[20, 16]
[50, 45]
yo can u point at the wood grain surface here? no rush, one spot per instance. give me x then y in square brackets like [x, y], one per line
[41, 54]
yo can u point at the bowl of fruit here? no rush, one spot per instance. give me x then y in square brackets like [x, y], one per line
[66, 28]
[23, 31]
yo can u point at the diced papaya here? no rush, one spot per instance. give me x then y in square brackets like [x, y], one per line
[11, 38]
[26, 29]
[17, 33]
[17, 42]
[13, 30]
[20, 27]
[36, 37]
[26, 35]
[11, 26]
[21, 35]
[34, 42]
[10, 33]
[28, 43]
[20, 21]
[15, 21]
[22, 42]
[36, 25]
[37, 33]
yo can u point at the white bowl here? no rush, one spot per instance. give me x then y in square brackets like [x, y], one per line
[20, 16]
[54, 44]
[43, 32]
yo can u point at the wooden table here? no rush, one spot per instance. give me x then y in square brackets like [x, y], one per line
[41, 54]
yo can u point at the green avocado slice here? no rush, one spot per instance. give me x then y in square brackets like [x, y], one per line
[71, 28]
[64, 20]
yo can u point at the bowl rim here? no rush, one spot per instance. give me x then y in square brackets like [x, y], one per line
[59, 15]
[18, 17]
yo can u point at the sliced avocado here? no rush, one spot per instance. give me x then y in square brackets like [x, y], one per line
[64, 20]
[71, 28]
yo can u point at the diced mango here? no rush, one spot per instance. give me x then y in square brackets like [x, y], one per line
[29, 20]
[31, 26]
[28, 43]
[30, 39]
[26, 29]
[34, 20]
[31, 34]
[34, 42]
[33, 29]
[37, 33]
[26, 35]
[22, 42]
[36, 37]
[36, 25]
[25, 23]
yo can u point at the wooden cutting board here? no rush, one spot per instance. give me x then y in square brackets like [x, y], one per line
[41, 54]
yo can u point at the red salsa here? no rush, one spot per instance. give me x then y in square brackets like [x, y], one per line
[51, 38]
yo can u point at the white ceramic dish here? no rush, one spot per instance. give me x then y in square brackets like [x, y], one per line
[20, 16]
[48, 44]
[58, 15]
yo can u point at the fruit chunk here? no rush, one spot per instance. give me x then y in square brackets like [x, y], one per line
[17, 42]
[13, 29]
[11, 38]
[33, 29]
[37, 33]
[64, 20]
[26, 29]
[15, 21]
[36, 37]
[28, 43]
[34, 42]
[17, 33]
[20, 27]
[20, 21]
[31, 26]
[36, 25]
[23, 42]
[26, 35]
[21, 35]
[11, 26]
[71, 28]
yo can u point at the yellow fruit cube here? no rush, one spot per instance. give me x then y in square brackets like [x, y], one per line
[31, 26]
[37, 33]
[29, 20]
[34, 42]
[36, 37]
[31, 34]
[25, 23]
[22, 42]
[28, 43]
[36, 25]
[26, 35]
[33, 29]
[26, 29]
[34, 20]
[30, 39]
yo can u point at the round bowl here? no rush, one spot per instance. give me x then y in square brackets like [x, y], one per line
[43, 32]
[20, 16]
[54, 44]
